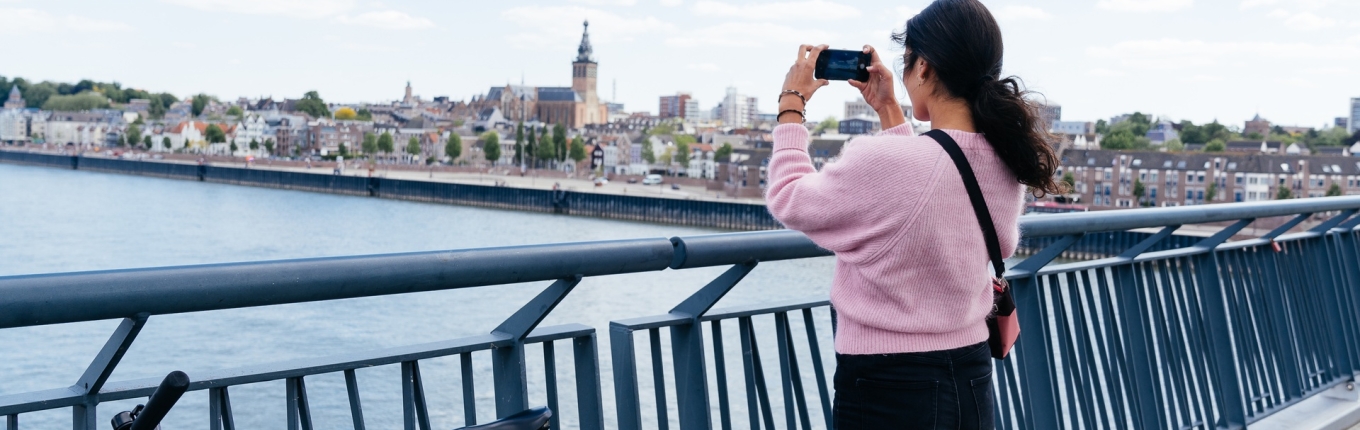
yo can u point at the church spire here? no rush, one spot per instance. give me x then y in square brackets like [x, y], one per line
[584, 54]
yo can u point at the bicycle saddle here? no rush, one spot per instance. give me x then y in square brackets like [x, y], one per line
[533, 419]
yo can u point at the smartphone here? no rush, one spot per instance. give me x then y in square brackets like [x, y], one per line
[842, 65]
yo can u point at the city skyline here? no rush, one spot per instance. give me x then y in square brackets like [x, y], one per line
[1196, 60]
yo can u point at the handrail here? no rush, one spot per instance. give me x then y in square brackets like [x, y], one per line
[43, 299]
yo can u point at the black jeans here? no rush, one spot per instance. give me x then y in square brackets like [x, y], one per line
[949, 389]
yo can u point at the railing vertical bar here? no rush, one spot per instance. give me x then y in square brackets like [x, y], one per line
[785, 373]
[408, 397]
[757, 371]
[1191, 286]
[1170, 348]
[356, 410]
[1250, 324]
[720, 370]
[290, 389]
[1110, 346]
[214, 409]
[627, 398]
[659, 379]
[1281, 301]
[304, 408]
[422, 408]
[1140, 337]
[752, 404]
[12, 422]
[590, 406]
[817, 369]
[1270, 316]
[795, 375]
[550, 375]
[1180, 295]
[1041, 391]
[469, 393]
[1074, 372]
[1083, 320]
[228, 419]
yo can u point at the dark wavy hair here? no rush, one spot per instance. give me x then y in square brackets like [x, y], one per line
[962, 42]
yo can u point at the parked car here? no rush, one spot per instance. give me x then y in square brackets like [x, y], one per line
[652, 180]
[632, 180]
[600, 181]
[675, 186]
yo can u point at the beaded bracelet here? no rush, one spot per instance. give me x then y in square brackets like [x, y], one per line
[800, 113]
[794, 92]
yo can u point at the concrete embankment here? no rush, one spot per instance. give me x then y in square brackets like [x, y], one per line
[727, 215]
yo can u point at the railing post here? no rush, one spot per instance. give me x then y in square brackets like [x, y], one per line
[687, 348]
[507, 359]
[1342, 322]
[627, 401]
[1036, 355]
[83, 416]
[1232, 404]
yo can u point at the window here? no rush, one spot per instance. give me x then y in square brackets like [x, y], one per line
[1152, 192]
[1232, 165]
[1238, 177]
[1237, 196]
[1199, 195]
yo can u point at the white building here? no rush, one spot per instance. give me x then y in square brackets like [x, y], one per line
[252, 128]
[1355, 114]
[738, 111]
[861, 109]
[1073, 128]
[701, 162]
[13, 126]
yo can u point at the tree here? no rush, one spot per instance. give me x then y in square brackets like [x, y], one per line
[413, 146]
[1211, 192]
[519, 143]
[578, 149]
[269, 146]
[122, 140]
[530, 147]
[1283, 193]
[233, 148]
[312, 104]
[1138, 190]
[165, 141]
[235, 111]
[648, 153]
[385, 143]
[668, 155]
[829, 123]
[364, 115]
[491, 146]
[77, 102]
[723, 153]
[254, 145]
[346, 113]
[454, 147]
[560, 141]
[1069, 182]
[1174, 145]
[370, 145]
[1215, 145]
[1102, 127]
[215, 134]
[1334, 190]
[682, 152]
[134, 134]
[146, 141]
[544, 151]
[197, 104]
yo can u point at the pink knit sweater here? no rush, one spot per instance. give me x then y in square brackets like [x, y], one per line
[912, 272]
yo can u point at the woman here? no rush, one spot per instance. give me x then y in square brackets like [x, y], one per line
[912, 288]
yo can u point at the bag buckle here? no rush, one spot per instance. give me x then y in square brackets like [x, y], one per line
[1000, 285]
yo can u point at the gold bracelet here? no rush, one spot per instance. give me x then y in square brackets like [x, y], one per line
[801, 113]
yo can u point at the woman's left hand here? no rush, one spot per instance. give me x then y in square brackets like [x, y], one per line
[801, 78]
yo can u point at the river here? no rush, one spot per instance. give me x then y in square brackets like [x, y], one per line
[55, 220]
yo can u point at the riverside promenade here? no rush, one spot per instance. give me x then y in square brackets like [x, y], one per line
[552, 191]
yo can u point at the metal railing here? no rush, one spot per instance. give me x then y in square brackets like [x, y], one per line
[1218, 334]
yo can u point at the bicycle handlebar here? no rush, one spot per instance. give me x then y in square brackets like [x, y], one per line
[149, 417]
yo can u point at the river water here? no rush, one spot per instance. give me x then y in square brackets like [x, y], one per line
[54, 220]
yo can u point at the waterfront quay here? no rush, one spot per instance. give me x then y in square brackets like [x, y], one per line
[559, 199]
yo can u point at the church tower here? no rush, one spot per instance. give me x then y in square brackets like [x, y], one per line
[583, 80]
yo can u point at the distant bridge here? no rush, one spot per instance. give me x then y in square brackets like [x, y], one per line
[1216, 334]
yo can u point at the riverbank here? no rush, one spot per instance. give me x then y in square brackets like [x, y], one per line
[612, 201]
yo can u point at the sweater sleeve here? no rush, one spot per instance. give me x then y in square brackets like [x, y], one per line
[853, 206]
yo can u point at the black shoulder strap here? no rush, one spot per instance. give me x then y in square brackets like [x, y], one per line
[970, 183]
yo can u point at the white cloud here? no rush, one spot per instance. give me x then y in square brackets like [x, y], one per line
[606, 2]
[293, 8]
[748, 35]
[1144, 5]
[672, 2]
[1022, 13]
[703, 67]
[1248, 4]
[387, 20]
[552, 27]
[1178, 54]
[783, 11]
[1307, 21]
[1106, 73]
[24, 20]
[906, 12]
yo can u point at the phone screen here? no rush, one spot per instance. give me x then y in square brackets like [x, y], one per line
[841, 65]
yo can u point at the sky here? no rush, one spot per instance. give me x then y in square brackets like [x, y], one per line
[1294, 62]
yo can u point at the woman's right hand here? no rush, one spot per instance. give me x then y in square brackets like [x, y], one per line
[878, 91]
